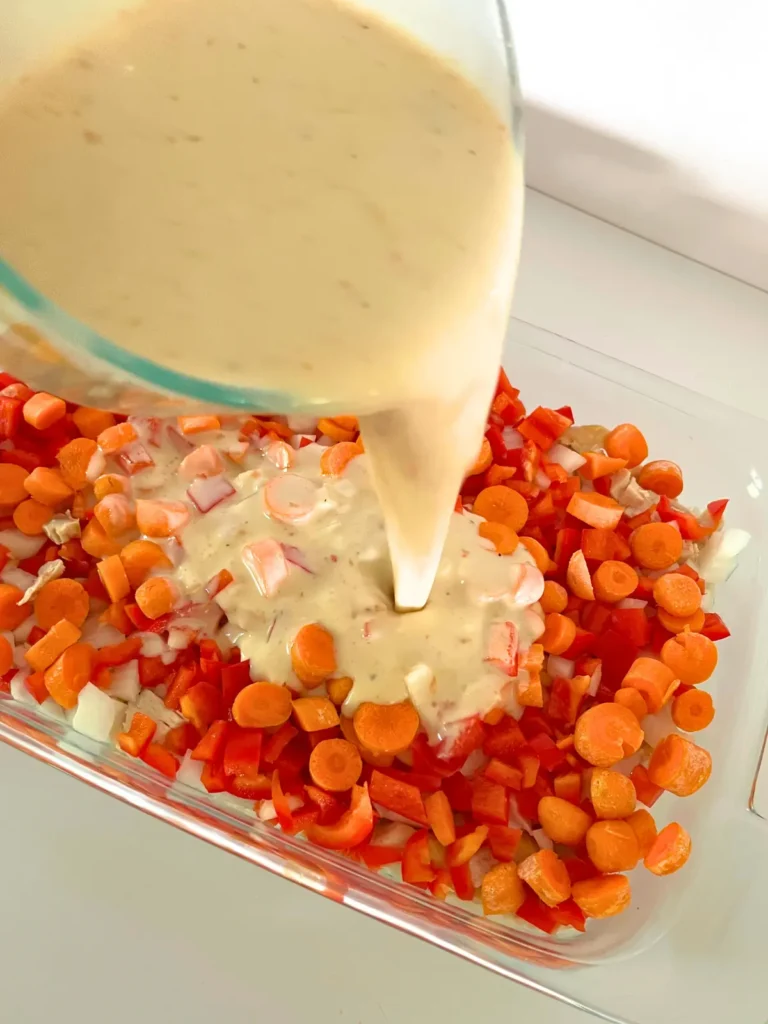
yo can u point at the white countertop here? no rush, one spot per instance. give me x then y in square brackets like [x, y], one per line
[108, 915]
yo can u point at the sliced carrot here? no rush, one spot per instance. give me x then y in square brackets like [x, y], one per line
[644, 827]
[606, 734]
[262, 705]
[48, 487]
[577, 577]
[156, 596]
[30, 517]
[313, 714]
[386, 728]
[662, 477]
[48, 648]
[333, 429]
[140, 558]
[313, 654]
[347, 423]
[562, 821]
[198, 424]
[598, 465]
[693, 711]
[483, 460]
[500, 504]
[612, 794]
[339, 689]
[440, 817]
[335, 459]
[671, 849]
[61, 599]
[677, 594]
[595, 509]
[12, 614]
[112, 575]
[161, 518]
[675, 624]
[679, 766]
[602, 897]
[631, 698]
[547, 875]
[335, 765]
[656, 545]
[43, 410]
[74, 459]
[116, 437]
[115, 513]
[612, 846]
[691, 657]
[96, 543]
[559, 633]
[111, 483]
[554, 598]
[502, 890]
[92, 422]
[538, 553]
[503, 537]
[6, 656]
[626, 442]
[69, 673]
[12, 489]
[652, 679]
[613, 581]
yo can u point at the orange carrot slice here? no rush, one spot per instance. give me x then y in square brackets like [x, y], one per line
[679, 766]
[694, 623]
[554, 598]
[602, 897]
[644, 827]
[662, 477]
[670, 851]
[313, 654]
[693, 711]
[111, 483]
[262, 705]
[500, 504]
[74, 459]
[631, 698]
[598, 465]
[577, 577]
[691, 657]
[652, 679]
[43, 410]
[140, 558]
[92, 422]
[198, 424]
[115, 514]
[612, 794]
[538, 553]
[30, 517]
[12, 489]
[503, 537]
[547, 876]
[612, 846]
[440, 817]
[595, 509]
[335, 459]
[314, 714]
[502, 890]
[483, 460]
[656, 545]
[112, 575]
[563, 821]
[339, 689]
[69, 673]
[613, 581]
[112, 439]
[677, 594]
[96, 543]
[156, 596]
[48, 648]
[386, 728]
[12, 614]
[628, 443]
[606, 734]
[559, 633]
[161, 518]
[335, 765]
[61, 599]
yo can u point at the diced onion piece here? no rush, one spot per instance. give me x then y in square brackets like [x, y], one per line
[19, 545]
[480, 864]
[542, 480]
[62, 528]
[17, 578]
[512, 438]
[100, 634]
[594, 681]
[392, 833]
[19, 689]
[541, 837]
[98, 715]
[124, 683]
[190, 771]
[208, 492]
[630, 603]
[152, 645]
[96, 466]
[180, 638]
[48, 571]
[150, 704]
[474, 763]
[570, 461]
[718, 556]
[560, 668]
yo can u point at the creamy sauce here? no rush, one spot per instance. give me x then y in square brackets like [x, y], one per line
[286, 194]
[338, 575]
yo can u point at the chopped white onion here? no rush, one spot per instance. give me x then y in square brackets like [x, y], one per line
[190, 771]
[562, 668]
[180, 638]
[632, 603]
[387, 815]
[50, 708]
[392, 833]
[97, 714]
[657, 726]
[152, 645]
[594, 682]
[124, 681]
[19, 544]
[47, 572]
[21, 633]
[19, 689]
[480, 864]
[96, 466]
[543, 840]
[149, 703]
[100, 634]
[19, 659]
[62, 528]
[512, 438]
[718, 557]
[476, 760]
[267, 810]
[563, 456]
[208, 492]
[302, 424]
[17, 578]
[542, 480]
[168, 657]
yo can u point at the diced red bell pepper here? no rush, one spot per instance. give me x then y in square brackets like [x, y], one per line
[183, 680]
[570, 915]
[330, 807]
[10, 417]
[294, 758]
[213, 777]
[647, 792]
[249, 787]
[533, 721]
[565, 697]
[595, 617]
[463, 886]
[538, 914]
[495, 439]
[567, 411]
[633, 624]
[211, 746]
[549, 755]
[503, 739]
[152, 671]
[490, 802]
[504, 774]
[303, 819]
[568, 787]
[181, 738]
[543, 512]
[580, 869]
[454, 752]
[584, 642]
[458, 789]
[156, 756]
[425, 782]
[714, 628]
[397, 796]
[616, 654]
[529, 763]
[275, 744]
[242, 751]
[201, 705]
[659, 636]
[354, 826]
[35, 683]
[442, 885]
[119, 654]
[376, 857]
[544, 426]
[234, 677]
[503, 841]
[279, 799]
[417, 861]
[567, 543]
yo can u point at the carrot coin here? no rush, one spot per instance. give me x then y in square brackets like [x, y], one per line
[547, 876]
[606, 734]
[502, 890]
[262, 705]
[677, 594]
[679, 766]
[612, 794]
[562, 821]
[140, 558]
[559, 633]
[538, 553]
[656, 545]
[335, 459]
[613, 581]
[313, 654]
[675, 624]
[612, 846]
[644, 827]
[156, 596]
[671, 849]
[12, 614]
[500, 504]
[662, 477]
[652, 679]
[631, 698]
[12, 489]
[61, 599]
[386, 728]
[554, 598]
[67, 676]
[602, 897]
[693, 711]
[335, 765]
[691, 657]
[503, 537]
[626, 442]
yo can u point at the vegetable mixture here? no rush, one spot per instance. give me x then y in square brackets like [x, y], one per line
[533, 808]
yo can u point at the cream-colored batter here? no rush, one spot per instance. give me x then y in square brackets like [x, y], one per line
[288, 194]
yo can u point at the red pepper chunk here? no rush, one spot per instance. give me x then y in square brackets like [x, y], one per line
[544, 426]
[201, 705]
[354, 826]
[279, 799]
[211, 746]
[397, 796]
[417, 861]
[538, 914]
[242, 751]
[161, 759]
[490, 802]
